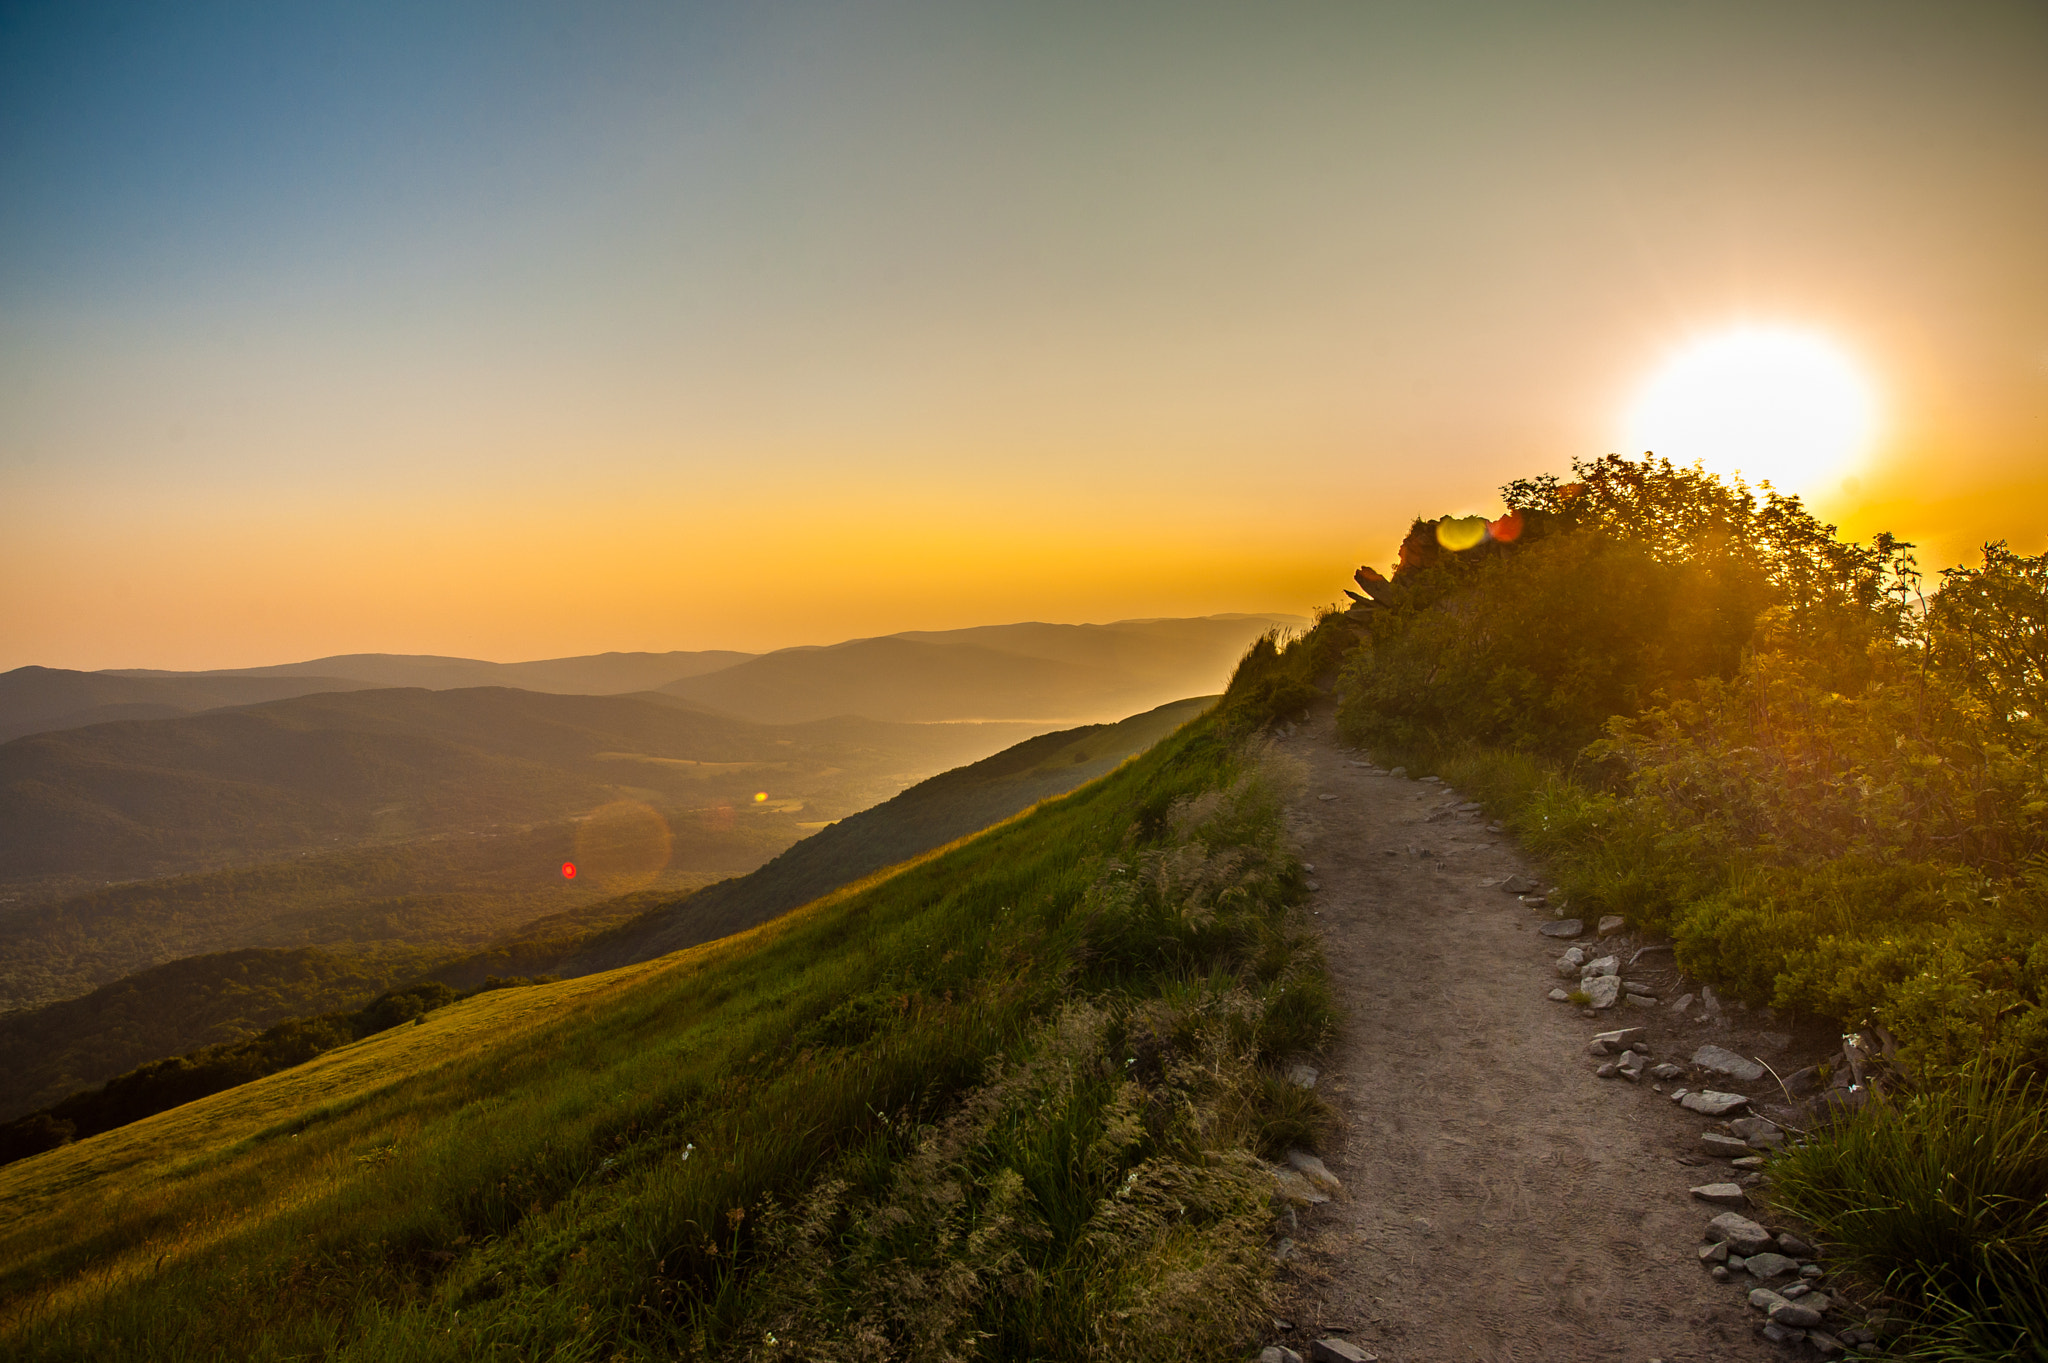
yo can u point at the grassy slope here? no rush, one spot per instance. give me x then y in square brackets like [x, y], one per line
[49, 1052]
[517, 1170]
[928, 815]
[52, 1052]
[440, 896]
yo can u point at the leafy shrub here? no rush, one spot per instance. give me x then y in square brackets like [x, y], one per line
[1632, 581]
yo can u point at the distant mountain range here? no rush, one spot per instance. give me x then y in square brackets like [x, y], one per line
[1052, 674]
[36, 700]
[598, 674]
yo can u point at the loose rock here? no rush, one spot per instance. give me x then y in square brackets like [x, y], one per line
[1602, 991]
[1611, 924]
[1768, 1265]
[1722, 1061]
[1744, 1236]
[1519, 885]
[1765, 1300]
[1788, 1243]
[1606, 965]
[1569, 963]
[1298, 1190]
[1314, 1170]
[1563, 927]
[1722, 1147]
[1795, 1315]
[1558, 996]
[1666, 1072]
[1761, 1134]
[1708, 1103]
[1725, 1194]
[1302, 1076]
[1278, 1353]
[1339, 1351]
[1620, 1039]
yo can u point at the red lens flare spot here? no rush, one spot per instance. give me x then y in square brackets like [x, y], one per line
[1507, 529]
[568, 870]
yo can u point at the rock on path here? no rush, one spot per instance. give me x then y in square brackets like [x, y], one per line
[1482, 1163]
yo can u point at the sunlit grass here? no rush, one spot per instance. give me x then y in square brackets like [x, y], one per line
[608, 1167]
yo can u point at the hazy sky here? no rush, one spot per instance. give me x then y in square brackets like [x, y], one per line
[516, 330]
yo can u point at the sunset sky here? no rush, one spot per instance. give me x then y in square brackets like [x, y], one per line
[514, 330]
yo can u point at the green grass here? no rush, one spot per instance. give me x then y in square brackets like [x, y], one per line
[1001, 1103]
[1941, 1196]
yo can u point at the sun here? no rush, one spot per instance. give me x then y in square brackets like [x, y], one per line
[1773, 404]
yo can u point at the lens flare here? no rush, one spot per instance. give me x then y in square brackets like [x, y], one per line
[1459, 533]
[760, 796]
[624, 846]
[568, 870]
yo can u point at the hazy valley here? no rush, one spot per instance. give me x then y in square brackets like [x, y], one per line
[186, 880]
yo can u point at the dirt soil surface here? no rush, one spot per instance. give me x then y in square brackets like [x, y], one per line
[1500, 1201]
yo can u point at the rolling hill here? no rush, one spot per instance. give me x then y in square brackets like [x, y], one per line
[596, 674]
[151, 798]
[40, 699]
[50, 1051]
[403, 818]
[927, 816]
[1050, 673]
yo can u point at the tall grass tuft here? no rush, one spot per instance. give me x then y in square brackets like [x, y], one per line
[1941, 1196]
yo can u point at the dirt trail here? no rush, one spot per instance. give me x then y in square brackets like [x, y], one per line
[1500, 1201]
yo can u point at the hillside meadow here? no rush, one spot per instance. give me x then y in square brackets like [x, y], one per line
[1005, 1101]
